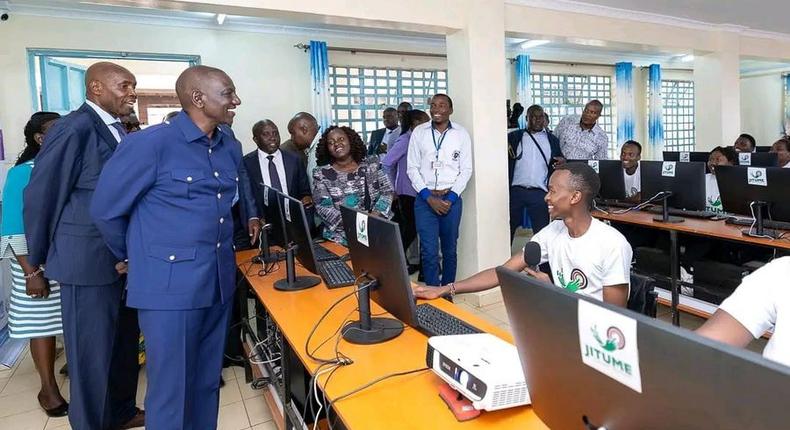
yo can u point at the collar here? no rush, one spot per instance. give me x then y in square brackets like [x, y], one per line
[262, 155]
[105, 116]
[537, 132]
[449, 125]
[190, 130]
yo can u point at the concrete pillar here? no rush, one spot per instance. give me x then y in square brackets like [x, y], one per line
[717, 95]
[476, 82]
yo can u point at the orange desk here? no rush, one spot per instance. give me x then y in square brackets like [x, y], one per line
[399, 403]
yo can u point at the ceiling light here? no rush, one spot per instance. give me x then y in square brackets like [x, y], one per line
[687, 58]
[221, 18]
[533, 43]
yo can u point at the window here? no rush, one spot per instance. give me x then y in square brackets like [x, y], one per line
[678, 101]
[562, 95]
[360, 94]
[786, 79]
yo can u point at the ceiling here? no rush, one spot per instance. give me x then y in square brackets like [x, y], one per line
[761, 15]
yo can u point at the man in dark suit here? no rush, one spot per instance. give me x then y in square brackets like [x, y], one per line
[383, 138]
[101, 347]
[282, 170]
[164, 202]
[533, 153]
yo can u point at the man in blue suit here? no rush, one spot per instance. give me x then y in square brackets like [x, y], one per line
[533, 153]
[164, 203]
[101, 346]
[282, 170]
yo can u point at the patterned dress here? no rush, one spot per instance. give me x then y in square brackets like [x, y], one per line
[28, 318]
[332, 188]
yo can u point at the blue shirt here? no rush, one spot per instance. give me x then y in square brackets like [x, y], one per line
[531, 170]
[15, 183]
[164, 202]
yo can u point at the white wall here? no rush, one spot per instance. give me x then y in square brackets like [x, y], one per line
[762, 109]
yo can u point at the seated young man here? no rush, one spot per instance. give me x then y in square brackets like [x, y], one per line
[630, 154]
[761, 302]
[586, 256]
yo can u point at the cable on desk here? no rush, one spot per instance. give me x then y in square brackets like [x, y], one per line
[376, 381]
[641, 205]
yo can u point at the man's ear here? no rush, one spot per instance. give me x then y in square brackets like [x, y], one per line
[197, 99]
[576, 197]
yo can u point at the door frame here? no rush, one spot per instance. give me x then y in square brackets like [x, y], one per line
[33, 53]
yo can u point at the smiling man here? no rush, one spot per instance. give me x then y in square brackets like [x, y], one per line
[100, 334]
[439, 164]
[164, 203]
[581, 138]
[586, 256]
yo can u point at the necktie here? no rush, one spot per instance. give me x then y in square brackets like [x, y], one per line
[273, 176]
[121, 129]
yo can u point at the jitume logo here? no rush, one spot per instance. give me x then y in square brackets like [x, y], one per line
[756, 176]
[578, 280]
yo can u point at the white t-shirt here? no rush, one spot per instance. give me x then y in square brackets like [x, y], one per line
[633, 183]
[762, 302]
[712, 197]
[585, 264]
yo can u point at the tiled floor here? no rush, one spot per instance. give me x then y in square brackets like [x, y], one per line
[241, 407]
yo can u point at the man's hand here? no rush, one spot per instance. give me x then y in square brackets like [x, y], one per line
[37, 287]
[122, 267]
[538, 275]
[307, 201]
[440, 206]
[429, 293]
[254, 228]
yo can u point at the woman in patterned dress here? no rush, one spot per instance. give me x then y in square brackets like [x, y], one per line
[345, 177]
[35, 301]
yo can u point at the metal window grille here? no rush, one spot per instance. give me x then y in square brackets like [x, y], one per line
[678, 100]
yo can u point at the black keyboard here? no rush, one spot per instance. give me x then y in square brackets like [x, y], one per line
[323, 254]
[335, 273]
[776, 225]
[436, 322]
[683, 212]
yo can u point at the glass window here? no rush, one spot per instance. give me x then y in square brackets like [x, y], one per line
[678, 100]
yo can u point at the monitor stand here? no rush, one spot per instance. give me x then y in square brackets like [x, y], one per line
[369, 330]
[292, 282]
[665, 217]
[266, 256]
[759, 229]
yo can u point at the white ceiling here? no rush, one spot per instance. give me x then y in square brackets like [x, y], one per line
[761, 15]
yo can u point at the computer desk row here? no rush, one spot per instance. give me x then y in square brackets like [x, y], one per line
[714, 229]
[403, 402]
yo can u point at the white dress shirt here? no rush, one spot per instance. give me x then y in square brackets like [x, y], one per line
[278, 163]
[449, 167]
[390, 136]
[531, 171]
[107, 118]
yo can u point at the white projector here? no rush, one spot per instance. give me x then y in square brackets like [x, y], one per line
[482, 367]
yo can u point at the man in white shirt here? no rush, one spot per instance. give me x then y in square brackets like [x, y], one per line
[383, 138]
[439, 164]
[581, 138]
[759, 304]
[586, 256]
[630, 155]
[782, 149]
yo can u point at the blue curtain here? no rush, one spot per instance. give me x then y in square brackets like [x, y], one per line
[624, 78]
[523, 91]
[319, 74]
[786, 120]
[655, 122]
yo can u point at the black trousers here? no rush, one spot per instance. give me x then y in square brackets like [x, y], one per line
[533, 200]
[404, 216]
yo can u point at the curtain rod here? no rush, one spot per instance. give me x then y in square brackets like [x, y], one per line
[306, 48]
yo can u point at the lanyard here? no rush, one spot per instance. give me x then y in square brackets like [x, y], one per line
[438, 146]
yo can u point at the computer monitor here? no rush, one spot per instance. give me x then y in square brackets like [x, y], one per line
[758, 159]
[762, 148]
[667, 377]
[296, 230]
[272, 215]
[686, 182]
[686, 157]
[610, 172]
[376, 251]
[739, 186]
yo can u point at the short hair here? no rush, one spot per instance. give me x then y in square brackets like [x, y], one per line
[584, 179]
[728, 153]
[298, 117]
[784, 140]
[533, 108]
[449, 100]
[595, 102]
[33, 126]
[358, 148]
[256, 128]
[634, 143]
[748, 137]
[406, 104]
[415, 115]
[390, 109]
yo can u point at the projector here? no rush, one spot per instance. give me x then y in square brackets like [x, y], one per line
[482, 367]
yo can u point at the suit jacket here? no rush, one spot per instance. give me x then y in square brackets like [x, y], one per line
[164, 202]
[514, 141]
[376, 138]
[58, 226]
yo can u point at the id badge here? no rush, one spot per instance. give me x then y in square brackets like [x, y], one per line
[436, 165]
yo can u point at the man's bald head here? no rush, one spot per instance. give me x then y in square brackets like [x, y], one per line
[208, 96]
[112, 87]
[303, 127]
